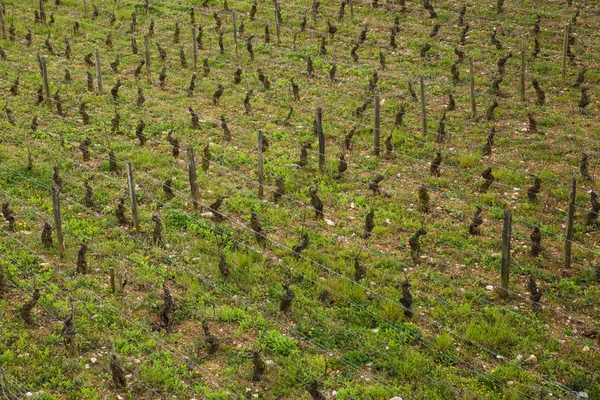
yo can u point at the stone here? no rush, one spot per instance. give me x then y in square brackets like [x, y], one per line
[531, 359]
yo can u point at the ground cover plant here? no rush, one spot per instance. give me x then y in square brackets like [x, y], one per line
[299, 199]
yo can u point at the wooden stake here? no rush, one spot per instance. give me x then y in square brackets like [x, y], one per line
[314, 11]
[565, 51]
[57, 220]
[523, 61]
[472, 83]
[350, 3]
[506, 234]
[44, 72]
[98, 71]
[192, 176]
[195, 48]
[570, 223]
[147, 46]
[84, 8]
[423, 110]
[112, 280]
[321, 136]
[261, 177]
[277, 23]
[2, 27]
[377, 124]
[234, 33]
[132, 198]
[42, 12]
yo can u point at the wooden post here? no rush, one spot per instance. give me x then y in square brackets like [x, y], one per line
[350, 3]
[472, 83]
[570, 222]
[377, 124]
[314, 11]
[2, 27]
[44, 72]
[321, 136]
[57, 220]
[42, 12]
[523, 61]
[423, 110]
[112, 280]
[195, 48]
[98, 71]
[147, 46]
[506, 234]
[132, 198]
[234, 33]
[277, 22]
[565, 51]
[84, 8]
[192, 176]
[261, 177]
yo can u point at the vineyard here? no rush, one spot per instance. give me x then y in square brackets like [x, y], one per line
[345, 199]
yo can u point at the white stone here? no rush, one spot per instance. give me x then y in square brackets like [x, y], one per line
[489, 287]
[93, 360]
[519, 357]
[586, 348]
[329, 222]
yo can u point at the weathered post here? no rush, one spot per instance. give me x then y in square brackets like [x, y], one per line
[506, 234]
[234, 33]
[377, 124]
[42, 12]
[523, 61]
[147, 46]
[261, 177]
[2, 27]
[565, 51]
[472, 84]
[192, 176]
[321, 136]
[195, 48]
[570, 223]
[423, 110]
[132, 198]
[98, 71]
[277, 22]
[58, 220]
[112, 280]
[44, 72]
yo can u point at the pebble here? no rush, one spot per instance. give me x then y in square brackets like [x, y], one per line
[586, 348]
[519, 357]
[489, 287]
[93, 360]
